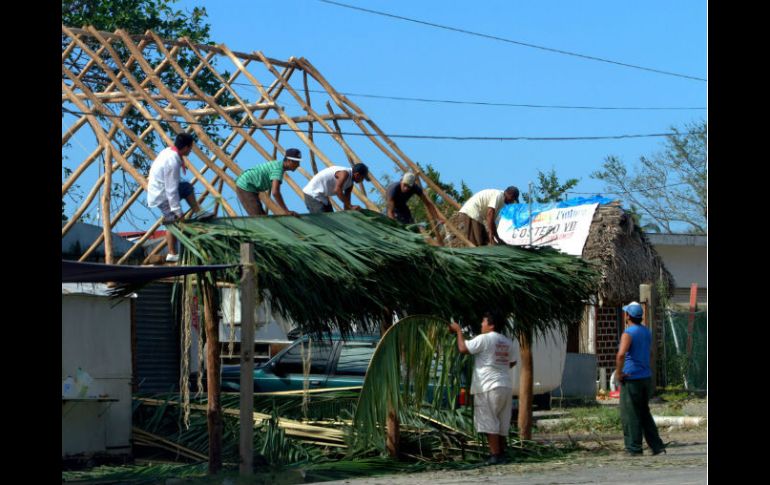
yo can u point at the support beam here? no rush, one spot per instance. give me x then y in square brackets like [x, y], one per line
[249, 305]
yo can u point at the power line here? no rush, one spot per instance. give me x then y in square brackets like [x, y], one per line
[105, 82]
[419, 137]
[510, 41]
[646, 189]
[493, 103]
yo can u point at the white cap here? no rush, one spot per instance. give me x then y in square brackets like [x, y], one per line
[408, 179]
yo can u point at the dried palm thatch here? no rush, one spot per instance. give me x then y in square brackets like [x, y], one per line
[344, 270]
[624, 256]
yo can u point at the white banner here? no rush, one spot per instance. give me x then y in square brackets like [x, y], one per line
[565, 228]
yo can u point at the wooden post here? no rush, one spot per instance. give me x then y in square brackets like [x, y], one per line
[248, 305]
[691, 318]
[648, 303]
[393, 426]
[526, 384]
[106, 190]
[309, 123]
[213, 364]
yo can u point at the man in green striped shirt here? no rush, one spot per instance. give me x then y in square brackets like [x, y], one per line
[263, 178]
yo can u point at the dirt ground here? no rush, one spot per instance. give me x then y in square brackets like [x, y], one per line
[601, 459]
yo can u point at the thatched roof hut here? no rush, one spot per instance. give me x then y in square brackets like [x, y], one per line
[625, 256]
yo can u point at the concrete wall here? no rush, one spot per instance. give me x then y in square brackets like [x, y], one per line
[686, 263]
[579, 377]
[96, 336]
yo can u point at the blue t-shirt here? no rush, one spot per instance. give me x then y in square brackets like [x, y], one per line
[637, 365]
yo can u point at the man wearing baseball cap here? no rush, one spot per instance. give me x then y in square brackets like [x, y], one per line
[634, 373]
[399, 193]
[263, 178]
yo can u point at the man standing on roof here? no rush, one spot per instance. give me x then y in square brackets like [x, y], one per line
[334, 180]
[634, 373]
[491, 386]
[482, 210]
[164, 188]
[399, 193]
[263, 178]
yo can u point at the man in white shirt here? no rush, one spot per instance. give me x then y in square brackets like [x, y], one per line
[334, 180]
[482, 210]
[491, 386]
[164, 189]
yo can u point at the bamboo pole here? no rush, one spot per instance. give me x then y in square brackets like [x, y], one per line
[361, 195]
[309, 123]
[159, 42]
[202, 135]
[106, 192]
[76, 174]
[71, 31]
[137, 192]
[117, 122]
[154, 78]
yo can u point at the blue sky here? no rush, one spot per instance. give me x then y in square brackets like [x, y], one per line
[363, 53]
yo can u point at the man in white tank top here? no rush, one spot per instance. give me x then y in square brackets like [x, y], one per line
[491, 386]
[334, 180]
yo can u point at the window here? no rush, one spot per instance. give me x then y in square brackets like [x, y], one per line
[354, 358]
[291, 361]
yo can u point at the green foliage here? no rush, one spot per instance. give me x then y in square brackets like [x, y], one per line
[415, 353]
[331, 271]
[548, 188]
[668, 189]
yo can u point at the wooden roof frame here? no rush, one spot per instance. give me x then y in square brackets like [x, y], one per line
[135, 83]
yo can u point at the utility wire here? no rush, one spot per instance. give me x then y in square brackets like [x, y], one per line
[420, 137]
[511, 41]
[105, 82]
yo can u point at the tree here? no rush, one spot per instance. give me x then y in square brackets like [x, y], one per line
[548, 188]
[668, 189]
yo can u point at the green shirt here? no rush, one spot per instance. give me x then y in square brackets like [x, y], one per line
[259, 178]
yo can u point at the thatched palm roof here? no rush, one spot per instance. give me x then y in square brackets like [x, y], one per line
[335, 270]
[624, 256]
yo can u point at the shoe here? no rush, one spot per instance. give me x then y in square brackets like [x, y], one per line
[661, 450]
[633, 453]
[172, 258]
[202, 215]
[494, 460]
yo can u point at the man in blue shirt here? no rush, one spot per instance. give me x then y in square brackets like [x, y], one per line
[634, 373]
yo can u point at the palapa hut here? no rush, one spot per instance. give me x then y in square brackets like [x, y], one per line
[626, 259]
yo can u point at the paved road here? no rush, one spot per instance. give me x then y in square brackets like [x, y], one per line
[684, 464]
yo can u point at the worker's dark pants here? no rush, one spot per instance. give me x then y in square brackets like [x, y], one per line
[635, 415]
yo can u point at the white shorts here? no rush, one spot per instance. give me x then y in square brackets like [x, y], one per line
[492, 411]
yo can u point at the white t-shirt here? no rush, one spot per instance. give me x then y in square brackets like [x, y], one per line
[163, 180]
[476, 206]
[492, 354]
[321, 186]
